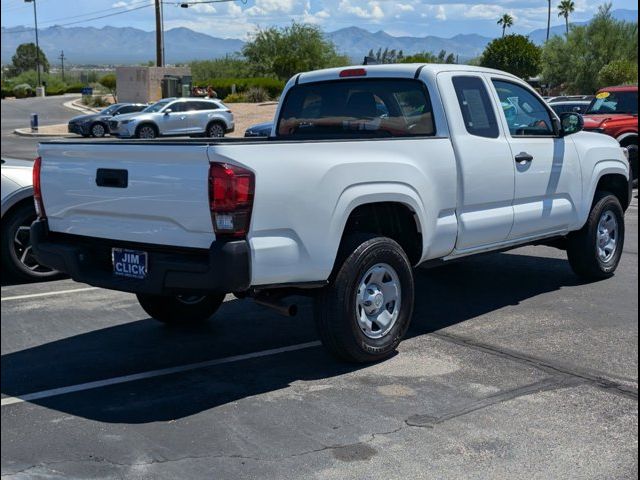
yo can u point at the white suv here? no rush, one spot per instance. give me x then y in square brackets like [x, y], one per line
[174, 117]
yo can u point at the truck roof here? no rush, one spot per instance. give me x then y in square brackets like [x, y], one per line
[399, 70]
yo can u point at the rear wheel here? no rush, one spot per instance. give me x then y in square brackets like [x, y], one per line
[181, 309]
[17, 255]
[633, 160]
[366, 309]
[216, 130]
[595, 250]
[147, 131]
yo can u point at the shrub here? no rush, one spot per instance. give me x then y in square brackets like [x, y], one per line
[618, 72]
[23, 90]
[235, 98]
[223, 86]
[256, 95]
[75, 88]
[94, 101]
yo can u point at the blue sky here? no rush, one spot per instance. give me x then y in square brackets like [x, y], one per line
[237, 19]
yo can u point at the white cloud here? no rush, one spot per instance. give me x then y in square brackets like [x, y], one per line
[370, 11]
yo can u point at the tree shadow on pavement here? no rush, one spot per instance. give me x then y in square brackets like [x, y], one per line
[445, 296]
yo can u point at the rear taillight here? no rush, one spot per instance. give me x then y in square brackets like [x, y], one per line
[37, 191]
[230, 199]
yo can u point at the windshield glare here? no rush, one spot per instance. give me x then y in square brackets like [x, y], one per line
[614, 102]
[156, 107]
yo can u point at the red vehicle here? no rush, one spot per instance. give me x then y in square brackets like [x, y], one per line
[614, 111]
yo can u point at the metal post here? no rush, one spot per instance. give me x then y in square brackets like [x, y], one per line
[35, 18]
[159, 59]
[62, 63]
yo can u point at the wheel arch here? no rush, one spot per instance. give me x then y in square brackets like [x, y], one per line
[608, 175]
[219, 120]
[16, 198]
[373, 209]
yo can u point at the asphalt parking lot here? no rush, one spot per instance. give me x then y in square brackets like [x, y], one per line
[513, 369]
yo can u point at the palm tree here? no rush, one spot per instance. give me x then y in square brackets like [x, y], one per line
[548, 20]
[566, 8]
[506, 21]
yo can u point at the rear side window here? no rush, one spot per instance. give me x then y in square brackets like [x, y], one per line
[359, 108]
[475, 104]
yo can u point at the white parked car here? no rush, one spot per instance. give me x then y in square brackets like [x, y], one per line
[370, 171]
[18, 212]
[175, 117]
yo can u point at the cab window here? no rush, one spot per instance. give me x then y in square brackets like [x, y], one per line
[526, 115]
[475, 105]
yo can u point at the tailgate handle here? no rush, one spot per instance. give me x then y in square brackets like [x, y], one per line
[111, 177]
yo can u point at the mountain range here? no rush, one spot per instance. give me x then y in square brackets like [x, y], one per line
[126, 45]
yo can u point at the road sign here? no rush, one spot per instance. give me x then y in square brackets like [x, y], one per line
[86, 91]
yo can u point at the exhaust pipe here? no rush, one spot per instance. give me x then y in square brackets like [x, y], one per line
[288, 310]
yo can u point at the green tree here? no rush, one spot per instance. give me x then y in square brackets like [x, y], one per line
[26, 58]
[575, 61]
[109, 82]
[506, 21]
[230, 66]
[566, 8]
[286, 51]
[515, 54]
[618, 72]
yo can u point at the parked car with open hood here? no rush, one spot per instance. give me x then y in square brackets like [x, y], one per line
[97, 124]
[174, 117]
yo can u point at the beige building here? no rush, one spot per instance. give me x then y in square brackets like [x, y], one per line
[144, 84]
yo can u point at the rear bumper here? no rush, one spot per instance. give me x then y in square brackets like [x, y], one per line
[224, 267]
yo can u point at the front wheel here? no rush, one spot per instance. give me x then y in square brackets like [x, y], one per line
[180, 309]
[147, 132]
[365, 311]
[595, 250]
[98, 130]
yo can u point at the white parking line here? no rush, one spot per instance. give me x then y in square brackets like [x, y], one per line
[152, 373]
[46, 294]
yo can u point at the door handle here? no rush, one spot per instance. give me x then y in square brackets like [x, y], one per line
[524, 157]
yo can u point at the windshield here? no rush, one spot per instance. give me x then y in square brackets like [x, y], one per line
[110, 110]
[156, 107]
[614, 102]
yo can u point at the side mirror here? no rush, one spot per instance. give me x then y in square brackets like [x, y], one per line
[168, 111]
[571, 123]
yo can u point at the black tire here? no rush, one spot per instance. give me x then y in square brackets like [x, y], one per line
[147, 131]
[17, 259]
[98, 130]
[583, 246]
[633, 161]
[215, 130]
[180, 309]
[336, 307]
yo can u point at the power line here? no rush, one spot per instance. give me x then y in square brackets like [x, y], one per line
[82, 21]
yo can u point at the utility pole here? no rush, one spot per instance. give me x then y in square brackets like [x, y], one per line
[61, 57]
[159, 46]
[35, 18]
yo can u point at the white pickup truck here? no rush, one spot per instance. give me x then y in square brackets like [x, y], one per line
[369, 172]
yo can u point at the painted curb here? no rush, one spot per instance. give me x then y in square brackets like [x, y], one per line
[26, 132]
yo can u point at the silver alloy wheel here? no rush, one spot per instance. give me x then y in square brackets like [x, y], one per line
[24, 252]
[146, 132]
[378, 300]
[97, 130]
[216, 130]
[607, 236]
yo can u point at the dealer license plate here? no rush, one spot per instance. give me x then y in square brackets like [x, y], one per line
[129, 263]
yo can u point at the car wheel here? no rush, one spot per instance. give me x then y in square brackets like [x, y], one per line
[595, 250]
[98, 130]
[215, 130]
[181, 309]
[633, 161]
[17, 255]
[364, 312]
[147, 131]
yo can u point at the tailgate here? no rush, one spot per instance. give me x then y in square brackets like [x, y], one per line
[143, 193]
